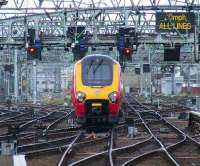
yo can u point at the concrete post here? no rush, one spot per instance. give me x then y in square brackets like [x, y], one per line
[34, 82]
[15, 75]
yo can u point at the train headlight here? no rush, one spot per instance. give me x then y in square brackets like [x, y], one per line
[80, 96]
[113, 97]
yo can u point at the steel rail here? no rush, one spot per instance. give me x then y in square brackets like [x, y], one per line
[64, 158]
[10, 136]
[38, 146]
[106, 153]
[144, 155]
[17, 116]
[175, 128]
[49, 127]
[185, 136]
[8, 113]
[111, 148]
[39, 153]
[26, 125]
[131, 146]
[49, 135]
[149, 130]
[109, 152]
[85, 161]
[92, 157]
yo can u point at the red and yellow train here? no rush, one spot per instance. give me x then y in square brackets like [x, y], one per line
[97, 89]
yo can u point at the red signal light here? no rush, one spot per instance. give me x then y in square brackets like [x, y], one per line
[128, 51]
[34, 53]
[31, 50]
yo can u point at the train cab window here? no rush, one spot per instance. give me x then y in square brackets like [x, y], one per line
[97, 73]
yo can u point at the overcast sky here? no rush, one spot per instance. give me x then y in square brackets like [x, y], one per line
[86, 3]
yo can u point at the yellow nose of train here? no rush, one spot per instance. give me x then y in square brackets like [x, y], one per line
[97, 89]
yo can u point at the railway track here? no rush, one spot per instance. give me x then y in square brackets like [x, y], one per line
[159, 143]
[30, 125]
[60, 142]
[150, 117]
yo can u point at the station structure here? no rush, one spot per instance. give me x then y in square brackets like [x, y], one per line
[41, 39]
[57, 110]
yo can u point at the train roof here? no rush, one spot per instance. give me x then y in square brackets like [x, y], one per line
[99, 55]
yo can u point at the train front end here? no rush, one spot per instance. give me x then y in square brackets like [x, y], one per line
[97, 90]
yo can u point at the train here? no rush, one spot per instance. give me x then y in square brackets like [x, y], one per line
[97, 90]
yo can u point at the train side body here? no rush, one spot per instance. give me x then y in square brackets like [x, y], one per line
[97, 89]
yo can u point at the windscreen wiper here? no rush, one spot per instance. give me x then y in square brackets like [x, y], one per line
[99, 64]
[91, 63]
